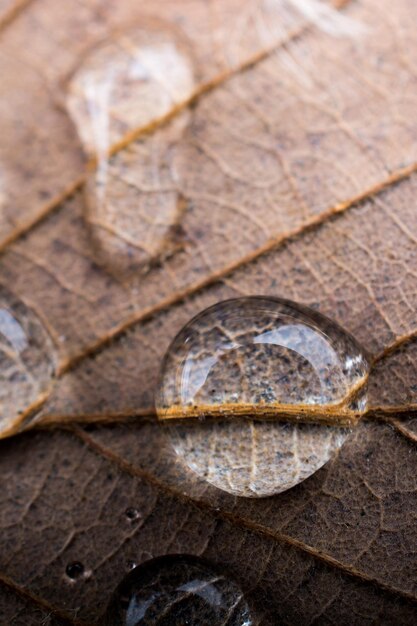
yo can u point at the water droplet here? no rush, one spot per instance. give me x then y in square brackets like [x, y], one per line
[132, 514]
[175, 590]
[27, 361]
[135, 223]
[74, 570]
[278, 386]
[130, 564]
[127, 82]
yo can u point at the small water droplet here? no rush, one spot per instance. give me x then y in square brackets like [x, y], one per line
[74, 570]
[27, 360]
[133, 514]
[175, 590]
[278, 385]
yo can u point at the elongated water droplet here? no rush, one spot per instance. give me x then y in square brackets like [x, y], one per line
[258, 393]
[27, 361]
[175, 590]
[126, 84]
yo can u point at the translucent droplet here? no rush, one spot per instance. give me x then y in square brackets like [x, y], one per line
[258, 393]
[175, 590]
[135, 214]
[127, 82]
[123, 87]
[27, 361]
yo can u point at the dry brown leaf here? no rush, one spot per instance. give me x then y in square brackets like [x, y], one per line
[307, 193]
[267, 152]
[41, 158]
[392, 389]
[229, 215]
[336, 515]
[17, 610]
[282, 575]
[9, 9]
[348, 268]
[393, 382]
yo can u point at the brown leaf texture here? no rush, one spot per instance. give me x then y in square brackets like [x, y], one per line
[9, 9]
[281, 573]
[347, 267]
[59, 259]
[285, 166]
[52, 165]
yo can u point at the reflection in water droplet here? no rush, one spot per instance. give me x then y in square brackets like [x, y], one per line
[12, 331]
[300, 375]
[175, 590]
[27, 360]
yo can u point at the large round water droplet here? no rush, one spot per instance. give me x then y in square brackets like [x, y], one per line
[258, 393]
[175, 590]
[27, 361]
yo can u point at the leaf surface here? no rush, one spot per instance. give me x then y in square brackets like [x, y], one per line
[41, 158]
[287, 170]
